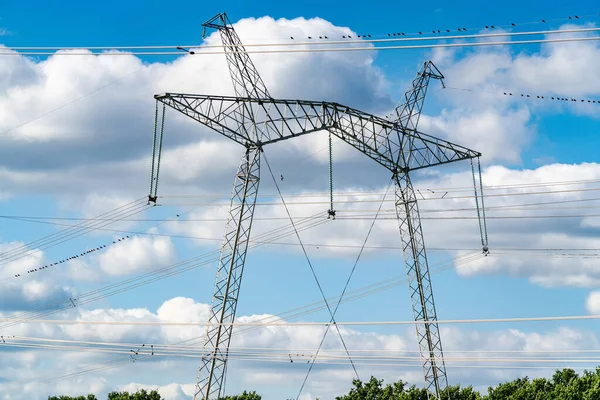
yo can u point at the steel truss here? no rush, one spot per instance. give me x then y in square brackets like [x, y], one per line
[254, 119]
[419, 282]
[229, 275]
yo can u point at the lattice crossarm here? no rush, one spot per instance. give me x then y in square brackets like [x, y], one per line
[419, 150]
[220, 113]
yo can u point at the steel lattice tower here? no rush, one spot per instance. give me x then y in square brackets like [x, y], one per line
[254, 119]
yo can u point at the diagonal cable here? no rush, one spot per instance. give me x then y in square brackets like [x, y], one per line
[344, 291]
[310, 264]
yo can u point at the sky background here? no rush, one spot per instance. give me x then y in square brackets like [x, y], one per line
[70, 151]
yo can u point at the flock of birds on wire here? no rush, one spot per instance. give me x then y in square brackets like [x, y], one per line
[555, 98]
[435, 31]
[85, 253]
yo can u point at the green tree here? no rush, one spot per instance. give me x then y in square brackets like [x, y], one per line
[371, 390]
[140, 395]
[88, 397]
[375, 390]
[244, 396]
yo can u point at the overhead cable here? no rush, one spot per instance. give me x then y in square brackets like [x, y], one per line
[304, 324]
[125, 360]
[363, 39]
[337, 306]
[314, 274]
[487, 27]
[561, 98]
[313, 50]
[71, 101]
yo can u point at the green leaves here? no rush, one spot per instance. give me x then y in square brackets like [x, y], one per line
[140, 395]
[88, 397]
[244, 396]
[375, 390]
[564, 385]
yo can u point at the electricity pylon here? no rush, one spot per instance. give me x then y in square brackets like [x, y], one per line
[254, 119]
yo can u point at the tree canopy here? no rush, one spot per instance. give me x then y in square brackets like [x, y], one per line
[139, 395]
[244, 396]
[565, 384]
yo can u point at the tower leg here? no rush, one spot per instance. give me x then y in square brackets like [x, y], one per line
[421, 293]
[229, 277]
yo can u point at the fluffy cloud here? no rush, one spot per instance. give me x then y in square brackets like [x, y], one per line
[268, 377]
[592, 303]
[136, 254]
[26, 292]
[104, 138]
[535, 211]
[501, 126]
[56, 285]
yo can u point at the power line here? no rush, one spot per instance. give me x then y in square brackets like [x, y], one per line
[320, 50]
[295, 313]
[304, 324]
[148, 277]
[420, 38]
[314, 274]
[326, 359]
[345, 286]
[68, 234]
[432, 189]
[212, 203]
[70, 102]
[440, 198]
[280, 350]
[363, 39]
[460, 29]
[386, 216]
[529, 96]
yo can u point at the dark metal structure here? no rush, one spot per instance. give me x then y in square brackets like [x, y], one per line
[254, 119]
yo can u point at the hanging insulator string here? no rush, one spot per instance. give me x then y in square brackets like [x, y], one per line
[162, 130]
[485, 234]
[483, 237]
[331, 211]
[151, 195]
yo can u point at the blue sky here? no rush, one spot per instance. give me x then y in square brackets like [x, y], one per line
[93, 156]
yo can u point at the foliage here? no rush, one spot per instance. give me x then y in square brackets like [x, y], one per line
[375, 390]
[141, 395]
[244, 396]
[564, 385]
[88, 397]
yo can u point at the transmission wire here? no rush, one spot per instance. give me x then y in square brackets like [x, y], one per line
[310, 264]
[117, 362]
[344, 290]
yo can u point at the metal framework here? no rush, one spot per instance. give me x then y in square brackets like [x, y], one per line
[254, 119]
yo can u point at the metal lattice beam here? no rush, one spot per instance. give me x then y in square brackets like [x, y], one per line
[244, 75]
[408, 111]
[264, 121]
[229, 276]
[421, 292]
